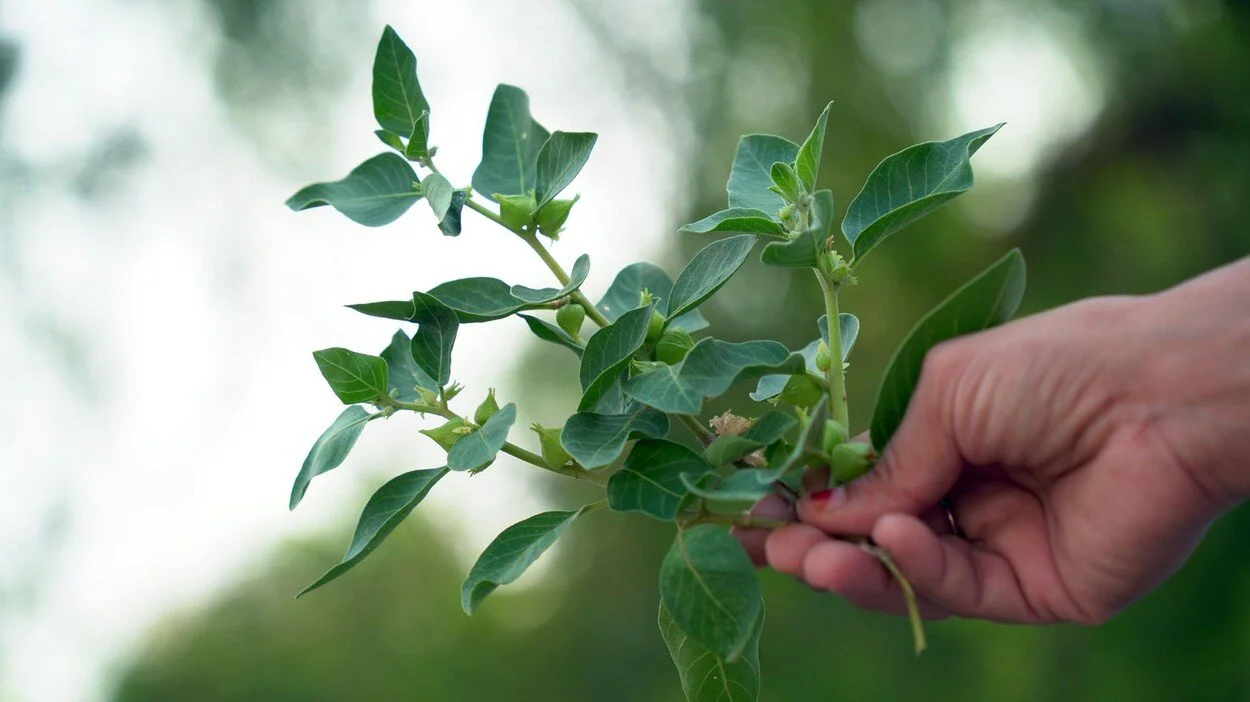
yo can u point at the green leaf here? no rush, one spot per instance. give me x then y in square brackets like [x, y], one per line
[805, 250]
[438, 192]
[450, 224]
[848, 329]
[560, 159]
[552, 216]
[581, 269]
[909, 185]
[808, 441]
[331, 449]
[738, 221]
[743, 486]
[650, 480]
[435, 337]
[418, 147]
[354, 377]
[375, 193]
[707, 272]
[478, 449]
[549, 332]
[397, 97]
[786, 181]
[766, 430]
[384, 511]
[608, 353]
[987, 300]
[705, 676]
[807, 163]
[624, 293]
[512, 552]
[595, 440]
[402, 372]
[448, 434]
[752, 172]
[477, 299]
[389, 139]
[510, 146]
[708, 585]
[710, 368]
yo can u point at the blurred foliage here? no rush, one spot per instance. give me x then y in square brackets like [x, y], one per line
[1151, 194]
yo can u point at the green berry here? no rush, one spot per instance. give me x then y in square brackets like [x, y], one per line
[656, 326]
[835, 435]
[447, 435]
[549, 440]
[849, 461]
[823, 359]
[487, 408]
[673, 346]
[570, 318]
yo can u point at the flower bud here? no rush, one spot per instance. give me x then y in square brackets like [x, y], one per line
[849, 461]
[570, 318]
[673, 346]
[823, 359]
[487, 408]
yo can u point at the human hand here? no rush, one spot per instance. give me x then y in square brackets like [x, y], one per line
[1083, 451]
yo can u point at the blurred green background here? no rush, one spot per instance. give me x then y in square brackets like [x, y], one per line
[1143, 184]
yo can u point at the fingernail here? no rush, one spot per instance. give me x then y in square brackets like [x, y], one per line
[828, 499]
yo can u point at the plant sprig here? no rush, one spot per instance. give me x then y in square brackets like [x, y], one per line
[642, 370]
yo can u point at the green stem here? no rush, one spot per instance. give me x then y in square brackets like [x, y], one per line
[835, 375]
[702, 433]
[909, 595]
[485, 212]
[591, 311]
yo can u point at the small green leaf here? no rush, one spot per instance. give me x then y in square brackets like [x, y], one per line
[435, 337]
[708, 585]
[552, 216]
[738, 221]
[766, 430]
[511, 553]
[375, 193]
[384, 511]
[549, 441]
[397, 97]
[705, 676]
[650, 480]
[354, 377]
[710, 368]
[510, 146]
[581, 269]
[786, 181]
[549, 332]
[743, 486]
[807, 163]
[478, 449]
[608, 353]
[987, 300]
[752, 172]
[848, 329]
[449, 433]
[707, 271]
[450, 224]
[595, 440]
[418, 147]
[626, 289]
[331, 448]
[805, 250]
[909, 185]
[808, 441]
[560, 160]
[389, 139]
[438, 192]
[403, 375]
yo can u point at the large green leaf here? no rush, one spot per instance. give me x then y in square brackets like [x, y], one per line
[438, 192]
[510, 146]
[804, 250]
[375, 193]
[985, 301]
[710, 368]
[609, 352]
[478, 299]
[623, 295]
[708, 585]
[478, 449]
[909, 185]
[549, 332]
[595, 440]
[397, 98]
[560, 159]
[771, 386]
[511, 553]
[764, 431]
[707, 271]
[807, 163]
[752, 172]
[330, 449]
[581, 269]
[354, 377]
[403, 375]
[650, 480]
[384, 511]
[705, 676]
[808, 441]
[738, 221]
[435, 337]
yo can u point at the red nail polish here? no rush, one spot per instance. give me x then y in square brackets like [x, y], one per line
[821, 495]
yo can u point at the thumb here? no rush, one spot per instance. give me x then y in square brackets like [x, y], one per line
[918, 467]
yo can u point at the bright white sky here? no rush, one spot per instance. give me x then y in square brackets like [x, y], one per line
[200, 297]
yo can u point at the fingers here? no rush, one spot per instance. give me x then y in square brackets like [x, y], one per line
[752, 540]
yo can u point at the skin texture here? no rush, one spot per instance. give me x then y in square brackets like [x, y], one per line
[1084, 451]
